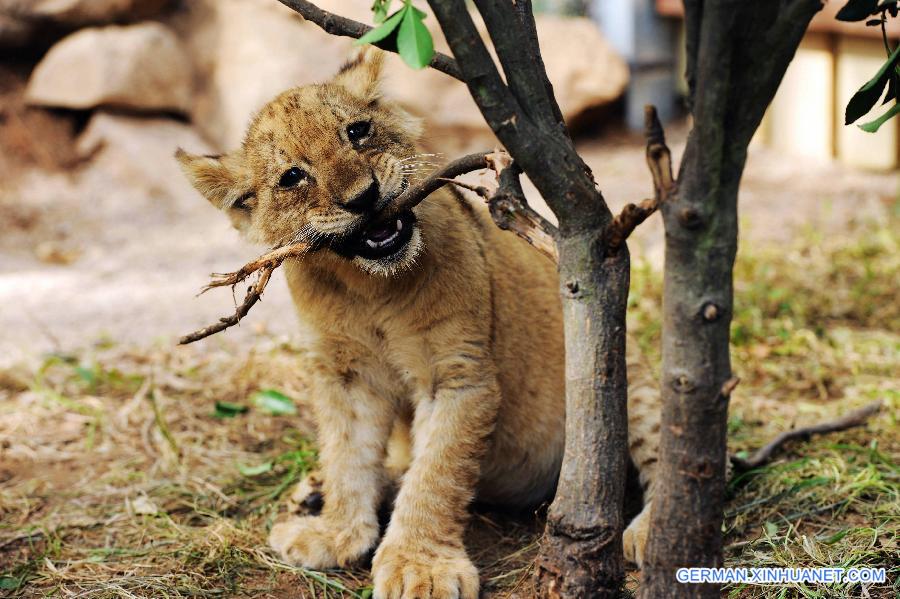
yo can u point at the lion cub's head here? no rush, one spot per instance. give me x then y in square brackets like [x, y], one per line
[318, 164]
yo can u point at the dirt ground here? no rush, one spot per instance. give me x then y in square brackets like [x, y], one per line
[130, 467]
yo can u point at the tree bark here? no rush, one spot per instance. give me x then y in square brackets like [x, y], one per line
[582, 552]
[737, 55]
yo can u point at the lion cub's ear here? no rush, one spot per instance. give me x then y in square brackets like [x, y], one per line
[361, 74]
[220, 179]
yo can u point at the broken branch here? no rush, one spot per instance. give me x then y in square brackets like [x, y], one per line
[764, 455]
[344, 27]
[659, 161]
[254, 292]
[510, 209]
[267, 263]
[270, 261]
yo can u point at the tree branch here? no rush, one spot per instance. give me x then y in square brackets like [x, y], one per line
[511, 212]
[344, 27]
[419, 191]
[506, 24]
[764, 455]
[526, 15]
[267, 263]
[547, 156]
[254, 292]
[659, 161]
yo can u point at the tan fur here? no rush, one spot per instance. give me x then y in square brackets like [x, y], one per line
[442, 367]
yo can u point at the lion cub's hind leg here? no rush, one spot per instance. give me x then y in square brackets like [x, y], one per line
[644, 413]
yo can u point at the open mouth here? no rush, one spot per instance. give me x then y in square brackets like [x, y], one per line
[385, 238]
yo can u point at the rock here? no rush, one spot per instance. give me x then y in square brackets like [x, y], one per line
[241, 69]
[247, 52]
[140, 67]
[585, 70]
[141, 153]
[15, 31]
[76, 13]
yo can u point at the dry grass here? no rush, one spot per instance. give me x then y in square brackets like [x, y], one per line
[121, 478]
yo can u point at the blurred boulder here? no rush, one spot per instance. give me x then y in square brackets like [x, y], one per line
[15, 31]
[585, 70]
[248, 51]
[141, 67]
[76, 13]
[139, 152]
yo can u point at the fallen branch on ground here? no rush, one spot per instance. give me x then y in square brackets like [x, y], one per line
[764, 455]
[267, 263]
[344, 27]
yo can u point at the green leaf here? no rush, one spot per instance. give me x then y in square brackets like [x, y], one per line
[414, 43]
[274, 402]
[873, 126]
[385, 29]
[771, 529]
[226, 409]
[836, 536]
[857, 10]
[380, 10]
[892, 90]
[255, 470]
[866, 97]
[8, 583]
[86, 374]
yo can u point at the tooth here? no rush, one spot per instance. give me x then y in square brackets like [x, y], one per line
[371, 244]
[399, 225]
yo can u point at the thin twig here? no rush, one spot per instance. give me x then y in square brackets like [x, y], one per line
[267, 263]
[254, 292]
[271, 260]
[764, 455]
[344, 27]
[421, 190]
[659, 161]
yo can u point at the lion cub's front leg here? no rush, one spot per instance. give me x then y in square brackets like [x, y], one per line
[422, 554]
[353, 425]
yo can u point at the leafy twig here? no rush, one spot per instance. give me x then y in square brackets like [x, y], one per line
[344, 27]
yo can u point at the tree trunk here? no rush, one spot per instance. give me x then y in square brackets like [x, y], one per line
[737, 54]
[581, 555]
[582, 552]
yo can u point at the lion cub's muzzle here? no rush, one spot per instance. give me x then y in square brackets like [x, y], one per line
[378, 239]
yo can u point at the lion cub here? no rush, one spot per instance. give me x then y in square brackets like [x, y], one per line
[438, 353]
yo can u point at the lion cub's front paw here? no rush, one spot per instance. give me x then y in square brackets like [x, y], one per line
[306, 498]
[634, 539]
[404, 570]
[316, 542]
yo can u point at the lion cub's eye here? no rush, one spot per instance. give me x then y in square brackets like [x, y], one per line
[357, 131]
[292, 177]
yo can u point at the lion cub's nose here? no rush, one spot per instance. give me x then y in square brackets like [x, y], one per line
[365, 201]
